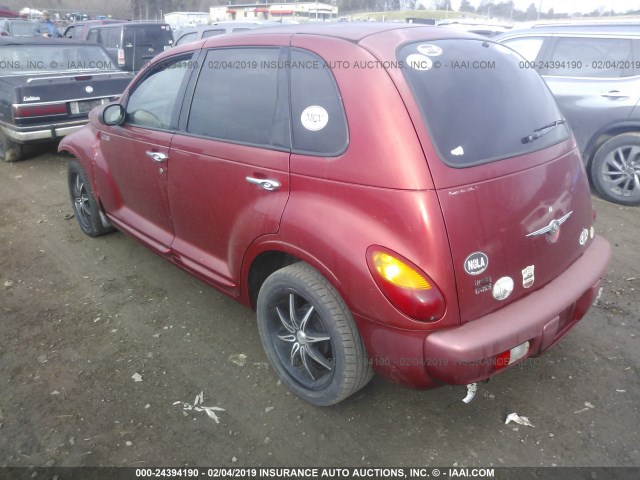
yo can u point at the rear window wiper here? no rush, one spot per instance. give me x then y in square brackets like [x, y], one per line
[538, 132]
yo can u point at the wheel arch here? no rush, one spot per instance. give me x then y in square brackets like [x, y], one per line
[269, 256]
[604, 134]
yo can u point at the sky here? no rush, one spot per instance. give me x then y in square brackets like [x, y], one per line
[569, 6]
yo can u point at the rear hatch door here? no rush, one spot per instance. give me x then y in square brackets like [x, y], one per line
[511, 184]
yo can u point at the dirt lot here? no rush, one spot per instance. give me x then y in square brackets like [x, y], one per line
[81, 317]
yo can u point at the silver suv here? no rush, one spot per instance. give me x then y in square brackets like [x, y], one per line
[593, 69]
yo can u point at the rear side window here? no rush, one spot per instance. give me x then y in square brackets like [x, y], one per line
[236, 98]
[591, 57]
[112, 37]
[319, 124]
[189, 37]
[478, 103]
[156, 36]
[527, 47]
[212, 33]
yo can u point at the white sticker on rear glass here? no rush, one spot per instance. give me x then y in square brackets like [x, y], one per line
[314, 118]
[457, 151]
[430, 50]
[418, 61]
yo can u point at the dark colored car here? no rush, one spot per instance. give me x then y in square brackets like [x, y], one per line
[15, 27]
[80, 30]
[593, 70]
[315, 173]
[132, 45]
[48, 86]
[219, 28]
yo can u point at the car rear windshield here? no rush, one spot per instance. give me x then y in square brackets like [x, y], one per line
[479, 103]
[31, 59]
[157, 36]
[23, 28]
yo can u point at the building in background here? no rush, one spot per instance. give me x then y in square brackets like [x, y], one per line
[298, 11]
[187, 19]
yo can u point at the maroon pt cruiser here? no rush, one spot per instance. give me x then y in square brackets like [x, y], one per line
[390, 198]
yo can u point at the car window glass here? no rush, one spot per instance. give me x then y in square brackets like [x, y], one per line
[153, 101]
[156, 36]
[591, 57]
[189, 37]
[212, 33]
[93, 36]
[236, 96]
[479, 104]
[527, 47]
[319, 126]
[113, 38]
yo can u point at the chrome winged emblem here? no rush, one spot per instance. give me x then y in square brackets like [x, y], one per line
[553, 227]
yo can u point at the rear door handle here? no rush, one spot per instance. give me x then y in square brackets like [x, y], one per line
[614, 94]
[157, 156]
[264, 183]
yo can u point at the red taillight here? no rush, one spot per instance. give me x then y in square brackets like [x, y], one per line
[407, 288]
[502, 360]
[23, 111]
[121, 56]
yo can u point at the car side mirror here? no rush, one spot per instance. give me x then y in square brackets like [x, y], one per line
[113, 114]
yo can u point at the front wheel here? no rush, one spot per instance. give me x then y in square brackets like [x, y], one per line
[85, 206]
[615, 170]
[310, 337]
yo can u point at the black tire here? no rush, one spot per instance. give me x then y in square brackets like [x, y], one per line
[10, 151]
[310, 337]
[615, 170]
[85, 207]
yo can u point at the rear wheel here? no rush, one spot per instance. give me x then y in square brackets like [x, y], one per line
[615, 171]
[10, 151]
[310, 337]
[85, 206]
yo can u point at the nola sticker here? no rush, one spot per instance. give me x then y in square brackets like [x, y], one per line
[314, 118]
[476, 263]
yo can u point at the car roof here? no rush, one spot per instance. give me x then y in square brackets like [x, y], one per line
[351, 31]
[588, 28]
[39, 40]
[124, 23]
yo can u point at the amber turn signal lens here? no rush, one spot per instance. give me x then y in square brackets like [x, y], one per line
[398, 273]
[407, 288]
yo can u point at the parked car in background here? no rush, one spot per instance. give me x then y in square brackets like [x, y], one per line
[16, 27]
[219, 28]
[132, 45]
[80, 30]
[318, 176]
[485, 29]
[48, 86]
[593, 69]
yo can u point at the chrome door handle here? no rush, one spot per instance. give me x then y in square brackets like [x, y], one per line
[614, 94]
[157, 156]
[270, 185]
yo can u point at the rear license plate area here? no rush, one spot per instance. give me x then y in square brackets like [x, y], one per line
[85, 106]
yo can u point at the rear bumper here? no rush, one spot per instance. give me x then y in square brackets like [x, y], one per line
[466, 354]
[42, 132]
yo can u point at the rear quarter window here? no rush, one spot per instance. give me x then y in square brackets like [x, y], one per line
[591, 57]
[319, 124]
[478, 102]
